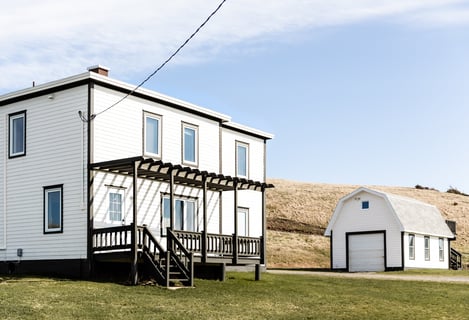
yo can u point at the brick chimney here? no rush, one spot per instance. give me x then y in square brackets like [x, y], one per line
[99, 69]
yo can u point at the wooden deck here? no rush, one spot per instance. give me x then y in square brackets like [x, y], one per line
[179, 252]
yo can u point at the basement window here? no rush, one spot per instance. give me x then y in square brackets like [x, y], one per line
[365, 205]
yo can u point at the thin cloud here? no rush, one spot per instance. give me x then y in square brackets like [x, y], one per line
[55, 38]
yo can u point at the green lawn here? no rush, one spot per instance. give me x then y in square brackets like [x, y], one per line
[275, 297]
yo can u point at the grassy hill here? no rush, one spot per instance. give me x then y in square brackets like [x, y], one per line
[298, 214]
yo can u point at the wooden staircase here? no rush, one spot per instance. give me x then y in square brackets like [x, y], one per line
[455, 262]
[173, 266]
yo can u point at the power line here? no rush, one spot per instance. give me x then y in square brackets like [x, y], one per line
[163, 64]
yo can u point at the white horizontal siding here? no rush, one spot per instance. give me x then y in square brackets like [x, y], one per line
[249, 199]
[149, 198]
[354, 219]
[55, 149]
[118, 132]
[419, 249]
[256, 168]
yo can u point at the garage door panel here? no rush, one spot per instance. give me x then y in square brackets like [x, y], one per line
[366, 252]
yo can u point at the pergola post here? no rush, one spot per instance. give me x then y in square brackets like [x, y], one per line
[235, 235]
[204, 209]
[171, 199]
[134, 265]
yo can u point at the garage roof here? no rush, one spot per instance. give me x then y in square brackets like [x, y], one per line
[414, 216]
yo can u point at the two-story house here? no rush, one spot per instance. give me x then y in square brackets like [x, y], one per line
[154, 183]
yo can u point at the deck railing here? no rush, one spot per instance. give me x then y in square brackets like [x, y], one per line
[218, 244]
[120, 238]
[112, 238]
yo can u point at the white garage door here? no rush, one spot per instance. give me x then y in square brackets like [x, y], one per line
[366, 252]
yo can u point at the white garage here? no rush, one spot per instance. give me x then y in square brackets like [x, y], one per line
[366, 252]
[377, 231]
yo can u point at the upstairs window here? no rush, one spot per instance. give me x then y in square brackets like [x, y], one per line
[189, 144]
[411, 246]
[53, 209]
[17, 134]
[152, 135]
[242, 159]
[427, 247]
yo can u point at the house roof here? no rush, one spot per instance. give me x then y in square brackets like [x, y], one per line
[412, 215]
[114, 84]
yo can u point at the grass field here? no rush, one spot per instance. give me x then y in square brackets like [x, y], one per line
[274, 297]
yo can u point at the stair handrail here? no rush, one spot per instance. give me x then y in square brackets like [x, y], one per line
[180, 255]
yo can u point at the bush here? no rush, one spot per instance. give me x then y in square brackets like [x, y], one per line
[456, 191]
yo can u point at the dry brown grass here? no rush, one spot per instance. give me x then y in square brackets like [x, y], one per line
[302, 211]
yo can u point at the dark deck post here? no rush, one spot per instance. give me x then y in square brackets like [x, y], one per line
[264, 230]
[235, 235]
[204, 208]
[134, 266]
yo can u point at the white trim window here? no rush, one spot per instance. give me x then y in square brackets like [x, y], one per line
[185, 215]
[427, 247]
[53, 211]
[441, 249]
[242, 159]
[152, 135]
[243, 222]
[17, 134]
[189, 144]
[116, 205]
[412, 246]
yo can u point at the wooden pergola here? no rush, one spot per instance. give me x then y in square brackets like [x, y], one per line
[157, 170]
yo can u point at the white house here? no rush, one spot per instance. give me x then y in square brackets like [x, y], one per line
[376, 231]
[152, 180]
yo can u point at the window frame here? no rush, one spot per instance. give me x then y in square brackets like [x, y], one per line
[159, 118]
[246, 221]
[426, 241]
[185, 126]
[166, 218]
[11, 135]
[121, 192]
[365, 205]
[46, 191]
[441, 249]
[245, 145]
[411, 246]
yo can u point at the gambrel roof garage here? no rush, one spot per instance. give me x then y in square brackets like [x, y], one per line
[375, 231]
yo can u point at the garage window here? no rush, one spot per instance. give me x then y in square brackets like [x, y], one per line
[427, 247]
[365, 205]
[412, 246]
[441, 249]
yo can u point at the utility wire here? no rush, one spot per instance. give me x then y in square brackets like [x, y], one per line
[163, 64]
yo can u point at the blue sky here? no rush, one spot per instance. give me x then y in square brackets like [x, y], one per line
[356, 92]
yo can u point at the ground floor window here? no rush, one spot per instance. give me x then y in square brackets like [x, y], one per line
[243, 222]
[441, 248]
[411, 246]
[427, 247]
[116, 205]
[185, 214]
[53, 212]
